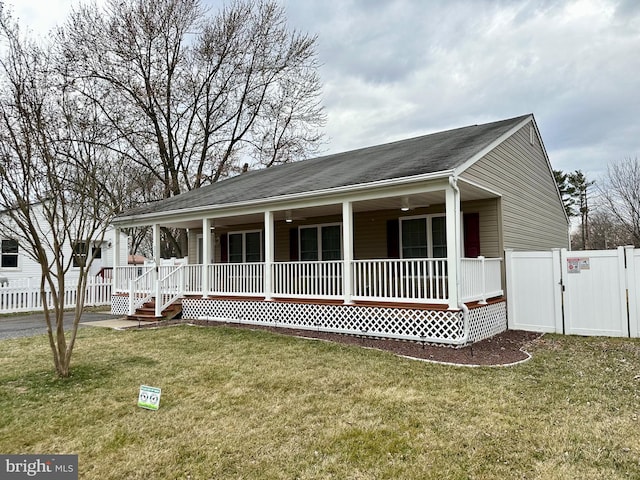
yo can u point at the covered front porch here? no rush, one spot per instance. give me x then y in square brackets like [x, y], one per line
[401, 262]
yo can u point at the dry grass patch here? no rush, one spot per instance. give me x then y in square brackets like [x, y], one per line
[251, 404]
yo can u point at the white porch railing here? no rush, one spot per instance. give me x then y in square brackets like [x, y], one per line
[480, 278]
[308, 279]
[421, 280]
[169, 288]
[192, 279]
[124, 274]
[245, 279]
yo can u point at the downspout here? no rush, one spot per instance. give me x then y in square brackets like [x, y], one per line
[453, 182]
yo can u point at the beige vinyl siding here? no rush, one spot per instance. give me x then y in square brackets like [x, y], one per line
[370, 231]
[192, 246]
[532, 212]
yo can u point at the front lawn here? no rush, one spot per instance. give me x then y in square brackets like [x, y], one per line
[256, 405]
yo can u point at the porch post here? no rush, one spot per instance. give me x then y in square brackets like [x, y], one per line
[206, 255]
[453, 252]
[116, 258]
[156, 244]
[347, 243]
[268, 254]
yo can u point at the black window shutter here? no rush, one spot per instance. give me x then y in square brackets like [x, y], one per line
[471, 223]
[393, 238]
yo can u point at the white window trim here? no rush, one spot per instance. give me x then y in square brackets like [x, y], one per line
[429, 218]
[318, 227]
[244, 244]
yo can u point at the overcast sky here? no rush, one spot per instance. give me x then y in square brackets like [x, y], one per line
[398, 69]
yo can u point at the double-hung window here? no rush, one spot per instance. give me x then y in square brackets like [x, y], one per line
[320, 242]
[245, 247]
[9, 253]
[80, 251]
[424, 237]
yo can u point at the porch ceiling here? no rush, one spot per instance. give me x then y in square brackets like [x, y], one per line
[468, 192]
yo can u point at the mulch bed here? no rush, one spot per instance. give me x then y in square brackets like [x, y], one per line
[503, 349]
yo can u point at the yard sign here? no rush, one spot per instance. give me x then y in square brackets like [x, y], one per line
[149, 397]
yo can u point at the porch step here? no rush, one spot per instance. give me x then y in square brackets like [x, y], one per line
[147, 312]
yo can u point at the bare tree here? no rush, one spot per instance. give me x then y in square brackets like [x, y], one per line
[188, 96]
[621, 194]
[605, 232]
[53, 177]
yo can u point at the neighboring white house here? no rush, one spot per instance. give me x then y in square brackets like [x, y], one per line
[18, 268]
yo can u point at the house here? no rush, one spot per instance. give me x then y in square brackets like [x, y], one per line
[401, 240]
[19, 269]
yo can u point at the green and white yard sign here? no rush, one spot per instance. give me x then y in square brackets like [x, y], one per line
[149, 397]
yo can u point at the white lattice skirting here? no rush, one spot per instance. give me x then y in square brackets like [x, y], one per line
[487, 320]
[119, 304]
[432, 326]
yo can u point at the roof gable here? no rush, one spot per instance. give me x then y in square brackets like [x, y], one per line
[427, 154]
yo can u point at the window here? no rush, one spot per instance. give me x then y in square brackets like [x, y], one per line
[245, 247]
[79, 252]
[424, 237]
[9, 253]
[320, 242]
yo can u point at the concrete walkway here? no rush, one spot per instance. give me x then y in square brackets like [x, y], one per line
[31, 324]
[115, 323]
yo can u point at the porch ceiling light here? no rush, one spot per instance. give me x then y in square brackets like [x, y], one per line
[287, 217]
[405, 204]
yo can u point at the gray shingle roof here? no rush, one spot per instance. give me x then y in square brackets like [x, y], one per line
[431, 153]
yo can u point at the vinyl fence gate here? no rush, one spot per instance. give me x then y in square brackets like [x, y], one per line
[591, 292]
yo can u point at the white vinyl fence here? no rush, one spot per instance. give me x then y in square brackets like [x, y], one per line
[592, 292]
[26, 296]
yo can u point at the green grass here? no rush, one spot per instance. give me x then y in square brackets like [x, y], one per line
[254, 405]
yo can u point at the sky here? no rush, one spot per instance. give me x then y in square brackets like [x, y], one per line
[394, 69]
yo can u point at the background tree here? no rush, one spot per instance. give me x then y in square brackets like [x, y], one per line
[54, 176]
[567, 192]
[190, 97]
[621, 195]
[605, 231]
[581, 187]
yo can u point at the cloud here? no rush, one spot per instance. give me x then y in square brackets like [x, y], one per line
[403, 68]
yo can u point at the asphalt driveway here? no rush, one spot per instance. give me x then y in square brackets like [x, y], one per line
[34, 324]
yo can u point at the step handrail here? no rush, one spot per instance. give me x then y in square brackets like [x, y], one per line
[136, 286]
[171, 287]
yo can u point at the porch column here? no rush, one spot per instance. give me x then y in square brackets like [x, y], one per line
[453, 251]
[268, 254]
[347, 242]
[116, 258]
[206, 255]
[156, 244]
